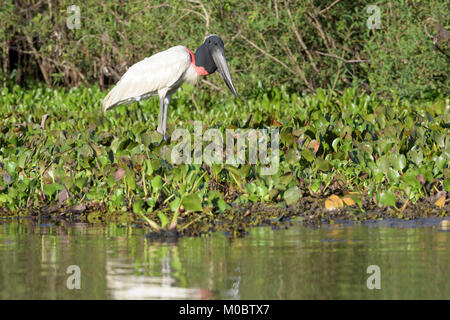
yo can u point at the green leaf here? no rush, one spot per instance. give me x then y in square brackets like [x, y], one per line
[86, 151]
[447, 184]
[398, 161]
[222, 205]
[175, 204]
[315, 186]
[216, 168]
[245, 169]
[146, 139]
[155, 137]
[119, 144]
[388, 198]
[286, 179]
[52, 188]
[164, 220]
[439, 162]
[192, 202]
[322, 164]
[307, 154]
[137, 205]
[131, 181]
[412, 181]
[151, 204]
[148, 167]
[415, 155]
[393, 175]
[292, 156]
[292, 195]
[10, 167]
[335, 143]
[157, 183]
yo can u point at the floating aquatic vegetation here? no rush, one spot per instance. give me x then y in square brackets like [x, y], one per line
[349, 152]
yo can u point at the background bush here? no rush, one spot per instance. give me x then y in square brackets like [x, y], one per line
[302, 45]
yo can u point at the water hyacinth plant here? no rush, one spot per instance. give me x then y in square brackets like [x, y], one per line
[60, 156]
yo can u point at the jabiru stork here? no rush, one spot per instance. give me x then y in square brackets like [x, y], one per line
[164, 72]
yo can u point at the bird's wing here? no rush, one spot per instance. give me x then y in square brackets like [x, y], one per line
[150, 75]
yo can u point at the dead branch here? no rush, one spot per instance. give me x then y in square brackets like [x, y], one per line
[38, 59]
[339, 58]
[205, 14]
[212, 85]
[44, 118]
[276, 10]
[267, 54]
[329, 7]
[295, 63]
[300, 40]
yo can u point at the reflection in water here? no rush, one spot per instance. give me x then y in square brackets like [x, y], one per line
[298, 263]
[123, 284]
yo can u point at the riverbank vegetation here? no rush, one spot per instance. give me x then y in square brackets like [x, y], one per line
[61, 156]
[362, 112]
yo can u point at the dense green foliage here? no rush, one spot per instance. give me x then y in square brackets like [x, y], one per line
[383, 151]
[303, 45]
[360, 111]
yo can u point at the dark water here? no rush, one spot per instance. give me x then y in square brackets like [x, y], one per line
[297, 263]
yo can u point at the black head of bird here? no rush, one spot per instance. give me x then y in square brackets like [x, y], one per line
[211, 56]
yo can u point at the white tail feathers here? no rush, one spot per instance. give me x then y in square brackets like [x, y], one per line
[110, 100]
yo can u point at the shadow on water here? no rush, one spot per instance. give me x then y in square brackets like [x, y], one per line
[329, 262]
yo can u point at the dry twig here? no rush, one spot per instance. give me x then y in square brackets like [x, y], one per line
[300, 40]
[340, 58]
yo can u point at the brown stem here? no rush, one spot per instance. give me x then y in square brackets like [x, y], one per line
[329, 7]
[300, 40]
[340, 58]
[267, 53]
[38, 59]
[295, 63]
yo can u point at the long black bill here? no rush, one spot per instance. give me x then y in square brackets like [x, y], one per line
[218, 56]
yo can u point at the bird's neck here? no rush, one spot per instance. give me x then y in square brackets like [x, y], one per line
[199, 69]
[204, 59]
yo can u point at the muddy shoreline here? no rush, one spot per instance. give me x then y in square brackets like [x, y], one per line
[308, 211]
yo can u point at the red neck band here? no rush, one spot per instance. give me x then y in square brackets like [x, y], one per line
[200, 70]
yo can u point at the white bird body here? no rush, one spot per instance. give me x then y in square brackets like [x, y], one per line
[162, 73]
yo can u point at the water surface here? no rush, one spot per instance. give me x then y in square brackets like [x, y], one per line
[298, 263]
